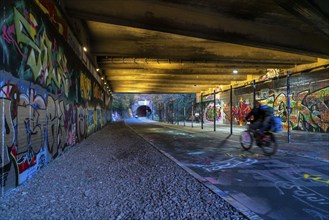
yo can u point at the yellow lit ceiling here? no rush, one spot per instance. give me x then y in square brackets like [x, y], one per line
[189, 46]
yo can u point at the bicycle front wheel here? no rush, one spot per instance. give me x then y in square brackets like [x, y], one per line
[246, 140]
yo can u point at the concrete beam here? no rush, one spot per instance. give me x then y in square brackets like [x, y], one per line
[206, 23]
[312, 12]
[179, 72]
[157, 90]
[145, 77]
[174, 83]
[180, 65]
[165, 46]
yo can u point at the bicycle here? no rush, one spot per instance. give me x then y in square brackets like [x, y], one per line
[268, 142]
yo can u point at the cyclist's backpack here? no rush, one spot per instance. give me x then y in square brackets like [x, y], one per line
[276, 124]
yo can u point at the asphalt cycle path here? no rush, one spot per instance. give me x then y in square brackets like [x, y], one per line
[288, 185]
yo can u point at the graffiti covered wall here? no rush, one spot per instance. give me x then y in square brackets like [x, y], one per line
[309, 98]
[309, 101]
[49, 101]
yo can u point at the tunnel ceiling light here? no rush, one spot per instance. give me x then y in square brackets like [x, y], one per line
[102, 78]
[105, 83]
[235, 71]
[84, 49]
[97, 69]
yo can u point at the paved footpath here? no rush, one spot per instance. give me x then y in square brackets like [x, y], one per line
[292, 184]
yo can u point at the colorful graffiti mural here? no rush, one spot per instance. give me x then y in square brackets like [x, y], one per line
[42, 59]
[210, 111]
[42, 111]
[48, 7]
[309, 110]
[85, 87]
[97, 92]
[239, 112]
[37, 128]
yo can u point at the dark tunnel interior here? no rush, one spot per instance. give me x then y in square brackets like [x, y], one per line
[143, 111]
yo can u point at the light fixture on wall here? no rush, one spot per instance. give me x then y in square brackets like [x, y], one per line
[85, 49]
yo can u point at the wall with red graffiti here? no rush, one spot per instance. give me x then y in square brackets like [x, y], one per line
[49, 99]
[309, 98]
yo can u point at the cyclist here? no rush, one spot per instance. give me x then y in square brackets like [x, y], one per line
[262, 115]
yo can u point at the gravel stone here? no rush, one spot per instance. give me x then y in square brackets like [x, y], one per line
[114, 174]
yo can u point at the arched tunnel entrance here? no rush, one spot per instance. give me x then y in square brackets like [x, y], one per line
[143, 111]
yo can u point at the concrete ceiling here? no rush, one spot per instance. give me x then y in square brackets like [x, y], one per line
[189, 46]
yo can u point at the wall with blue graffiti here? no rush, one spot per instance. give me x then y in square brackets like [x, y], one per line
[49, 99]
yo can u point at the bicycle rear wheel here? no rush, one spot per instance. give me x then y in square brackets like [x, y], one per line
[246, 140]
[269, 144]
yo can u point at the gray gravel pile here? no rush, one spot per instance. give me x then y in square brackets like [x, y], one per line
[114, 174]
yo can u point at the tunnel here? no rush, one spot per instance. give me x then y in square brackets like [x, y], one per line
[143, 111]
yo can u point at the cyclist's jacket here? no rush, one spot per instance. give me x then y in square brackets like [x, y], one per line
[260, 113]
